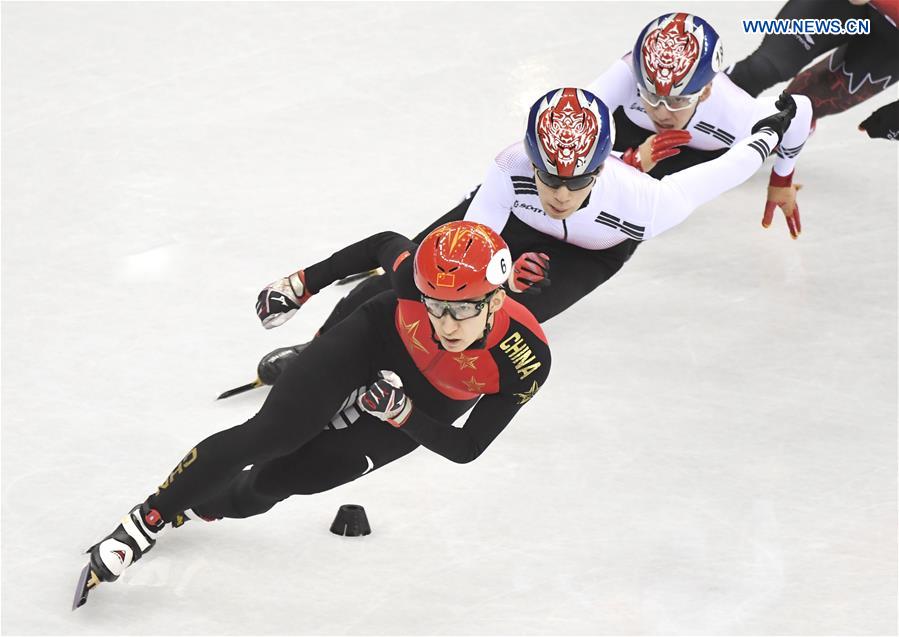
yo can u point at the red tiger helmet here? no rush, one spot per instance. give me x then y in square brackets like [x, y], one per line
[461, 260]
[570, 132]
[677, 54]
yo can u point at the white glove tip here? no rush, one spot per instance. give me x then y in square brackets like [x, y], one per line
[391, 378]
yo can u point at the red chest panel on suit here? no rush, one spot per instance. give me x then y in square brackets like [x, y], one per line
[460, 376]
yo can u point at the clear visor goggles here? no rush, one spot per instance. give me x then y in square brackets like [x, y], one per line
[459, 310]
[671, 102]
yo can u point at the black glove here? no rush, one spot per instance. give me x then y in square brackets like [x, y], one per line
[780, 121]
[883, 123]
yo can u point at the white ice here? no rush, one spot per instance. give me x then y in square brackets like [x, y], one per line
[715, 450]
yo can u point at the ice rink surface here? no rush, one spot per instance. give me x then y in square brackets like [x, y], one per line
[714, 452]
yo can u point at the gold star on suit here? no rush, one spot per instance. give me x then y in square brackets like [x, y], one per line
[412, 331]
[473, 385]
[465, 361]
[526, 396]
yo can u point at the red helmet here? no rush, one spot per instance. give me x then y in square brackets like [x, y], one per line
[461, 260]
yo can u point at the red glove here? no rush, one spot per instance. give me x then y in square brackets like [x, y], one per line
[782, 194]
[656, 148]
[529, 273]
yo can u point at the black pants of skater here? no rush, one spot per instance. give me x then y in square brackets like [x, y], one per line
[286, 442]
[781, 57]
[333, 458]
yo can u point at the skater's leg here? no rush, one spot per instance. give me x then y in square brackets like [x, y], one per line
[780, 56]
[331, 459]
[306, 396]
[365, 291]
[858, 70]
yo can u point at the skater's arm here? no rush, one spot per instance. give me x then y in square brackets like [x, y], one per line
[281, 299]
[660, 205]
[684, 191]
[387, 250]
[488, 418]
[794, 137]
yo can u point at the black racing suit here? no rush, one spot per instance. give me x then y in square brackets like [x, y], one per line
[286, 441]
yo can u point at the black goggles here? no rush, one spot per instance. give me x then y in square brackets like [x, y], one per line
[459, 310]
[572, 183]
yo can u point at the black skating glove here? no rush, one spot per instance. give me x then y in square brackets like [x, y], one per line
[780, 121]
[883, 123]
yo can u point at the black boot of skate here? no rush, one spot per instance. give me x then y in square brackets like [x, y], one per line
[131, 539]
[276, 361]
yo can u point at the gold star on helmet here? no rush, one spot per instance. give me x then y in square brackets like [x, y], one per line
[465, 361]
[412, 331]
[473, 385]
[526, 396]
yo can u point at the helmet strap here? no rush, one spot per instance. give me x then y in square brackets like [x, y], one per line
[488, 326]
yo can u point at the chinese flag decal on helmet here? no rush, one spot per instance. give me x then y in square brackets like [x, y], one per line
[445, 280]
[461, 260]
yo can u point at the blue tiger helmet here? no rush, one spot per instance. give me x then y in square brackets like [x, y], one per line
[677, 54]
[570, 132]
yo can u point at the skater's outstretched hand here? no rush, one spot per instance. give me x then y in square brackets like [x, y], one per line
[782, 194]
[281, 299]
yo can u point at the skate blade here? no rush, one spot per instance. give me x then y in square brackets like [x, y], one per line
[86, 581]
[239, 390]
